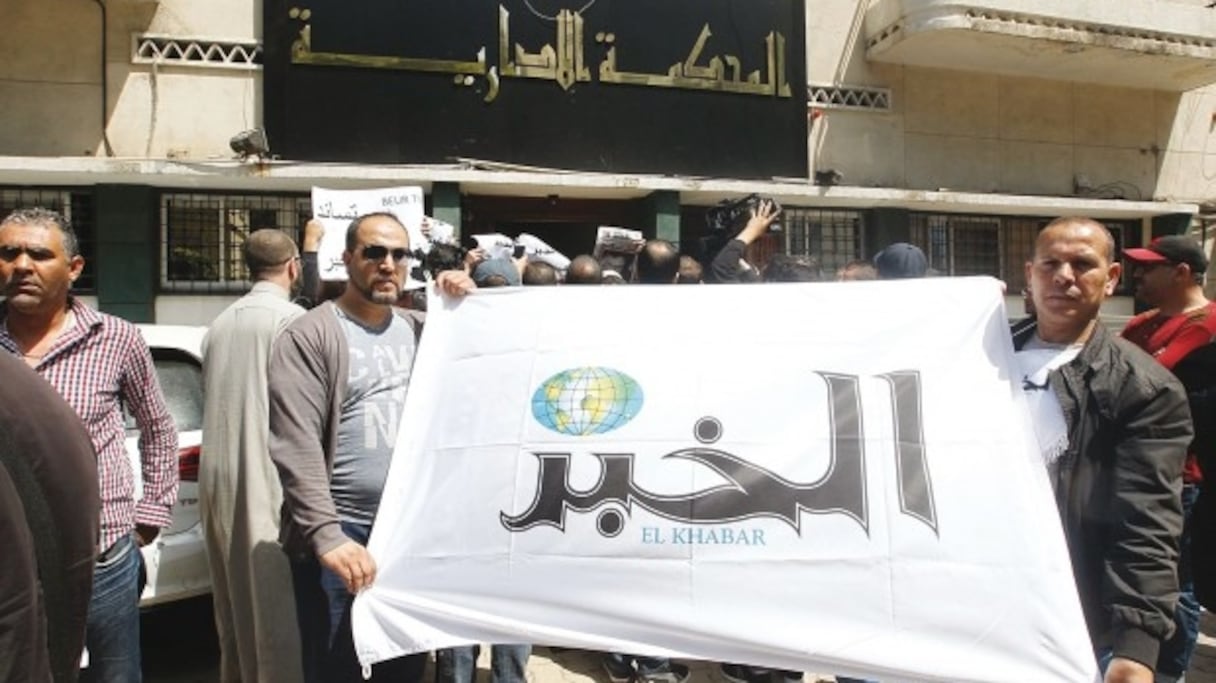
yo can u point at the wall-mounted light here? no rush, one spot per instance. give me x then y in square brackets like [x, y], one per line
[828, 177]
[250, 143]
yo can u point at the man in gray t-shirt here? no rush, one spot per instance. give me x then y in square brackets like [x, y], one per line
[338, 379]
[380, 365]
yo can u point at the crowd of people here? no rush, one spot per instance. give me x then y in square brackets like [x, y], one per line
[305, 385]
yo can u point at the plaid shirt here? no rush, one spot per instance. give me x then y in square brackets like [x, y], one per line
[97, 362]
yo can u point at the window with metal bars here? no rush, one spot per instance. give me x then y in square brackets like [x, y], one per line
[77, 205]
[202, 236]
[833, 237]
[991, 245]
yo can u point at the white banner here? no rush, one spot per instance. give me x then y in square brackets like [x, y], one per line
[836, 477]
[337, 208]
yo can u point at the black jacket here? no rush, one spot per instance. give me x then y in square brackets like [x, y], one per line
[49, 516]
[1197, 371]
[1119, 489]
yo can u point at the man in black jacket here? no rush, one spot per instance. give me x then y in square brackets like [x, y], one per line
[1118, 478]
[49, 515]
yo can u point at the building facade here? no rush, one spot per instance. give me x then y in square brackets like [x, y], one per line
[962, 126]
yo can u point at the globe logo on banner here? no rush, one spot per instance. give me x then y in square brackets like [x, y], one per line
[585, 401]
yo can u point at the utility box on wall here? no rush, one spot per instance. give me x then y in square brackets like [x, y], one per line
[695, 87]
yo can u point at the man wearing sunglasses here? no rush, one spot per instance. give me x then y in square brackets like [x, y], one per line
[338, 378]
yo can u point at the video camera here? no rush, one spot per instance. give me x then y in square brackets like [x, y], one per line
[730, 215]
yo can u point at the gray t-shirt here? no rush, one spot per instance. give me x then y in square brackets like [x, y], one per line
[380, 364]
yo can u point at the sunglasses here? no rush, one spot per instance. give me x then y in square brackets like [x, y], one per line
[377, 252]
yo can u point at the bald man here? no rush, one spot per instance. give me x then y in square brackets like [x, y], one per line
[1114, 427]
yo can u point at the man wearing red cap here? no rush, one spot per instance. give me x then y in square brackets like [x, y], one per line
[1168, 274]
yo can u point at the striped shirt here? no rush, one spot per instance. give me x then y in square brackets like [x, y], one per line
[96, 363]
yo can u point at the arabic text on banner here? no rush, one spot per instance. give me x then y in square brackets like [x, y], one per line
[834, 477]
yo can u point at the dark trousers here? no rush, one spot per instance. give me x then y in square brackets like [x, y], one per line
[323, 608]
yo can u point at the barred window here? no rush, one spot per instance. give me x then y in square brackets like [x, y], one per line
[977, 245]
[202, 236]
[77, 205]
[990, 245]
[834, 237]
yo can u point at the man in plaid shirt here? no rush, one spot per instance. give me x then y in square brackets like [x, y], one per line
[97, 363]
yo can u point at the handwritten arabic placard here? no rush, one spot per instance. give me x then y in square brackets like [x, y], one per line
[337, 208]
[610, 85]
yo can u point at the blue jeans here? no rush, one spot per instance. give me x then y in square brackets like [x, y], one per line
[323, 611]
[1175, 655]
[459, 664]
[112, 633]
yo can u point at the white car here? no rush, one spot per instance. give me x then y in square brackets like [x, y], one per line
[177, 560]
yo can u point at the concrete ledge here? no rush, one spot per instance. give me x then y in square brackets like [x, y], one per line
[488, 178]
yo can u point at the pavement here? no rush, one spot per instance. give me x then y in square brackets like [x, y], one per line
[179, 647]
[577, 666]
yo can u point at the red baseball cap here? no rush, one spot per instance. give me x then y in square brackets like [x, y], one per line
[1172, 249]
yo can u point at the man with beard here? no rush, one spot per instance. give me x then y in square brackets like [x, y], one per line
[240, 496]
[98, 363]
[337, 382]
[1168, 274]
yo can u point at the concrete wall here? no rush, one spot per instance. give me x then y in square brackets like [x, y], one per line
[51, 83]
[992, 133]
[50, 77]
[986, 133]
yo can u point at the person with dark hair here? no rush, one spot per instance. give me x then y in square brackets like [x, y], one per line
[98, 363]
[658, 263]
[539, 273]
[239, 492]
[901, 261]
[1113, 428]
[730, 264]
[584, 270]
[443, 257]
[1168, 274]
[856, 270]
[615, 266]
[309, 293]
[338, 376]
[691, 272]
[49, 504]
[791, 268]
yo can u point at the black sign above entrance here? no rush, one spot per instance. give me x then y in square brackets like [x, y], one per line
[695, 87]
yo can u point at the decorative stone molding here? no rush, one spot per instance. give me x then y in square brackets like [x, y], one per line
[1018, 23]
[856, 98]
[197, 52]
[1147, 44]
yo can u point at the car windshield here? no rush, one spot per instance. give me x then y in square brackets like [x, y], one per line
[181, 381]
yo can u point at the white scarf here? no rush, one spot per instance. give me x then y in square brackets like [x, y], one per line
[1036, 362]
